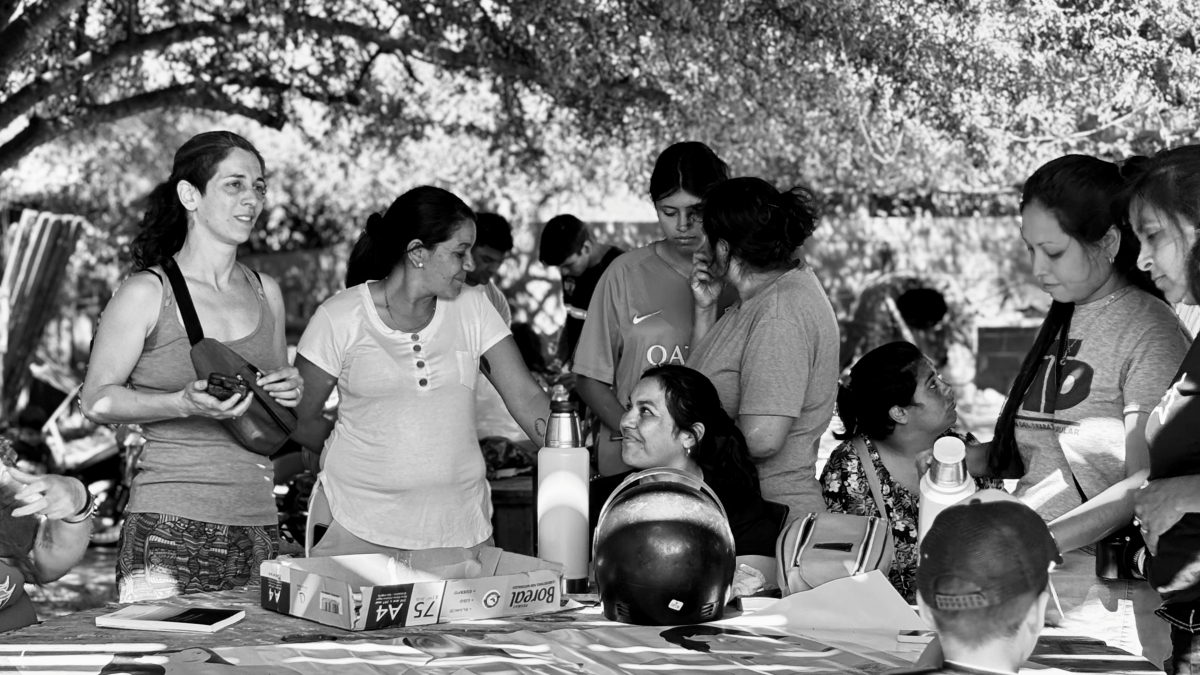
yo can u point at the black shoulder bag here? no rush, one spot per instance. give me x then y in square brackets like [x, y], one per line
[266, 425]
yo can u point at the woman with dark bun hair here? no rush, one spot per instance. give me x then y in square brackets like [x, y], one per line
[401, 466]
[641, 313]
[774, 356]
[201, 512]
[894, 405]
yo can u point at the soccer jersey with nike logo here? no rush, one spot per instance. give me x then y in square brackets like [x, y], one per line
[640, 316]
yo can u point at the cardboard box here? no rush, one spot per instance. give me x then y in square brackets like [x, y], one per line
[357, 592]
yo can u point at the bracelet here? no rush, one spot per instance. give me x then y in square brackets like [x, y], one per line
[86, 512]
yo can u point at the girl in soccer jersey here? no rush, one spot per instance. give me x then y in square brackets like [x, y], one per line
[641, 313]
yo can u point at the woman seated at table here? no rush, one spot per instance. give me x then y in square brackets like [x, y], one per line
[401, 466]
[45, 526]
[675, 420]
[896, 405]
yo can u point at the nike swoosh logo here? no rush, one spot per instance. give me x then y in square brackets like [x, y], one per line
[639, 319]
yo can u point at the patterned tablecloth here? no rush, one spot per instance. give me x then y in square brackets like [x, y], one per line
[263, 627]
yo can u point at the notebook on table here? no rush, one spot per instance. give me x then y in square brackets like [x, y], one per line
[169, 618]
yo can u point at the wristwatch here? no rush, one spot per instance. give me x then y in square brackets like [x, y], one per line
[86, 512]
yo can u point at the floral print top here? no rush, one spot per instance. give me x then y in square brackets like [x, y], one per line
[846, 490]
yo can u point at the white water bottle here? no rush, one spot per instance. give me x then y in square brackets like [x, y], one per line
[946, 483]
[562, 497]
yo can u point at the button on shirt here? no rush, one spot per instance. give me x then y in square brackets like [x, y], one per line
[403, 467]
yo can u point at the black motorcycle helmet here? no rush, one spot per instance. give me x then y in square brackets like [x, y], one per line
[664, 551]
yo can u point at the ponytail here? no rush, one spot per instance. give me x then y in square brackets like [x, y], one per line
[1004, 458]
[163, 228]
[366, 261]
[847, 411]
[426, 214]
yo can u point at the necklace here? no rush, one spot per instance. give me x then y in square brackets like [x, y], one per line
[388, 306]
[1093, 310]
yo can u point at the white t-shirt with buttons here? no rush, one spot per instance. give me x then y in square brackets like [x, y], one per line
[403, 466]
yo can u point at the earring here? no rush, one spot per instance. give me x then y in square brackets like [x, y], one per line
[420, 264]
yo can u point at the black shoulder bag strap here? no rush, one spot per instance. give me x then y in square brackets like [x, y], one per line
[187, 310]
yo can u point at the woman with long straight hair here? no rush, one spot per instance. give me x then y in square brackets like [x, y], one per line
[401, 466]
[1073, 428]
[201, 511]
[1163, 203]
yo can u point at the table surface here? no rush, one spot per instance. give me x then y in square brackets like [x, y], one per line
[264, 627]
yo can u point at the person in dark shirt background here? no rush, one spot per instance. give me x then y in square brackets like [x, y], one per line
[568, 245]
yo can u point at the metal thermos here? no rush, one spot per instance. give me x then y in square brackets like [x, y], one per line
[562, 496]
[946, 483]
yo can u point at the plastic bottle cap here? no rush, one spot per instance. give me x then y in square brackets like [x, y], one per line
[949, 450]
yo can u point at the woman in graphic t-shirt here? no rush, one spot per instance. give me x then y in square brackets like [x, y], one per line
[1072, 429]
[403, 344]
[774, 356]
[641, 313]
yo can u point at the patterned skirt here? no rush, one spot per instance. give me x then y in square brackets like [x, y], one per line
[161, 556]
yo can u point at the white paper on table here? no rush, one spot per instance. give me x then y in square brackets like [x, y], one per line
[866, 602]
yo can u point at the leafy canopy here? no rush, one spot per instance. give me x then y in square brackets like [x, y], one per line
[856, 97]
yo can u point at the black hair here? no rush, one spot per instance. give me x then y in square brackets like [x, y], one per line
[563, 236]
[1078, 191]
[428, 214]
[164, 226]
[1170, 183]
[762, 226]
[690, 166]
[692, 399]
[884, 377]
[494, 231]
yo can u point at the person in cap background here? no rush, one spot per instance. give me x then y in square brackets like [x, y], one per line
[568, 245]
[983, 582]
[493, 243]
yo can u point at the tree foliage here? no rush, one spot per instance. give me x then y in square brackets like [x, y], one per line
[857, 97]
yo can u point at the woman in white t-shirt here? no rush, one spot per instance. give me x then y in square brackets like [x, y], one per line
[401, 466]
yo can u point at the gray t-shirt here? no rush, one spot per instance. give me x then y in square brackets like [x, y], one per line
[1121, 357]
[777, 354]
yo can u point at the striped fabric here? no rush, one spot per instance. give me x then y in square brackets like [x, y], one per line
[161, 556]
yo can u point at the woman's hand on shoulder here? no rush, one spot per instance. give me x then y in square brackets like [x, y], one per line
[284, 385]
[197, 402]
[706, 286]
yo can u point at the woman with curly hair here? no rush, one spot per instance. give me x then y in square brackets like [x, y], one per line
[773, 357]
[201, 511]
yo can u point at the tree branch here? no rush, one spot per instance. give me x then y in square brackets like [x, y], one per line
[30, 28]
[40, 130]
[54, 84]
